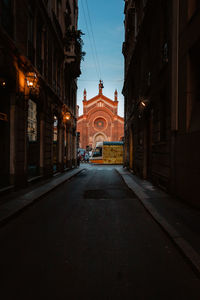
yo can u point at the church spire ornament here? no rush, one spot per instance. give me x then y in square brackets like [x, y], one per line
[85, 95]
[101, 87]
[116, 95]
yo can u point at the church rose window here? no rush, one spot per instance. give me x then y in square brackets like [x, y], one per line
[99, 124]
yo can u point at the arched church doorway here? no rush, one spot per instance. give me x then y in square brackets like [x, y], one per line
[99, 137]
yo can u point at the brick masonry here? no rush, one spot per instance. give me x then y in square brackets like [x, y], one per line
[100, 121]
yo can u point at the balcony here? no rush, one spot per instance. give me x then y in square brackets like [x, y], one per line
[70, 55]
[73, 51]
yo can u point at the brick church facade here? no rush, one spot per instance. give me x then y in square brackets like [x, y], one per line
[100, 121]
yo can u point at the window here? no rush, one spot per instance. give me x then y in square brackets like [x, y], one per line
[139, 133]
[54, 70]
[55, 142]
[136, 24]
[6, 17]
[30, 41]
[45, 53]
[49, 61]
[162, 114]
[165, 53]
[55, 129]
[193, 5]
[193, 94]
[32, 121]
[59, 79]
[100, 104]
[162, 120]
[39, 61]
[144, 3]
[58, 4]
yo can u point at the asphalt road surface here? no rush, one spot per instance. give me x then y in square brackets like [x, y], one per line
[91, 239]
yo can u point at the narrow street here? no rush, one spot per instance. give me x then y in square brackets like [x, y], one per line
[91, 238]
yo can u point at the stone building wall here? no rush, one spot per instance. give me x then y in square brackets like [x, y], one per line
[34, 46]
[161, 90]
[146, 89]
[187, 135]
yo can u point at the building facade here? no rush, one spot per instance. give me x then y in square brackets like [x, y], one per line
[161, 90]
[40, 58]
[186, 101]
[100, 121]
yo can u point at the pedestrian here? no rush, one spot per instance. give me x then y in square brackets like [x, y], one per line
[86, 157]
[78, 158]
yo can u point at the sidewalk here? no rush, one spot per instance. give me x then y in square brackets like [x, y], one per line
[178, 220]
[15, 202]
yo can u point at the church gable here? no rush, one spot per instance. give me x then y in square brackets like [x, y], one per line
[100, 101]
[101, 98]
[100, 111]
[99, 104]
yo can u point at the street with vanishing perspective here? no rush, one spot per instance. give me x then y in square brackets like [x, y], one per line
[91, 238]
[99, 150]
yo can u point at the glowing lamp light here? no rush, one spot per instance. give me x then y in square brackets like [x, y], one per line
[31, 79]
[2, 82]
[29, 83]
[144, 103]
[67, 116]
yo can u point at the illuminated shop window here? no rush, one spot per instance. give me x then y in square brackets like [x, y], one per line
[55, 129]
[32, 121]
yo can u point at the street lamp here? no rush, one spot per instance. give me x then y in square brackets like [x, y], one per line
[2, 82]
[66, 116]
[31, 80]
[143, 106]
[144, 103]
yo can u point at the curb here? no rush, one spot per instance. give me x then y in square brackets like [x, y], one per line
[192, 256]
[29, 199]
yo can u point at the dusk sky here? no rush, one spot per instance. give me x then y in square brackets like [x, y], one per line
[106, 18]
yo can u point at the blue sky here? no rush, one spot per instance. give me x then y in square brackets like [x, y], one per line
[108, 30]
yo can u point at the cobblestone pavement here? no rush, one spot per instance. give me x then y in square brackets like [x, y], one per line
[91, 238]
